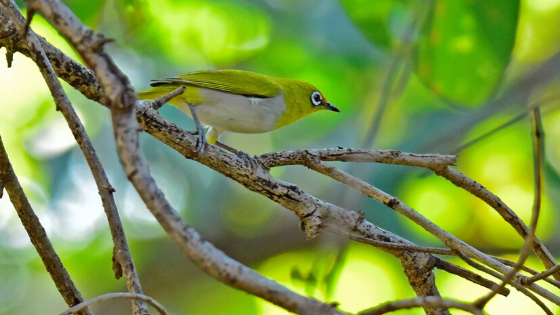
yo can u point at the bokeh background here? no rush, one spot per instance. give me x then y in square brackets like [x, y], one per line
[455, 70]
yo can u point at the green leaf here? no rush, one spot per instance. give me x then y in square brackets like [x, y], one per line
[467, 46]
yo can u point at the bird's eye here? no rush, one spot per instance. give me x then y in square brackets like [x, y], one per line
[316, 98]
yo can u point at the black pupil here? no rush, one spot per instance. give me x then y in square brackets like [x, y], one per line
[317, 97]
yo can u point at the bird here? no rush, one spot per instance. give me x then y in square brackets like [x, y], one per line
[239, 101]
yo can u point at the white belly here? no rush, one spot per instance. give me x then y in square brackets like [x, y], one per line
[238, 113]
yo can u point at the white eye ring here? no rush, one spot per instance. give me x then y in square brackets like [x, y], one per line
[316, 98]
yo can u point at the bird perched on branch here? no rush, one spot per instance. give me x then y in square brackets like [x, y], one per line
[239, 101]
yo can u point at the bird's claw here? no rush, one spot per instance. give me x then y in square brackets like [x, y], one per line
[200, 143]
[201, 138]
[250, 161]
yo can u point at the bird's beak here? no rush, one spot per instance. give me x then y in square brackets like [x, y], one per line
[330, 106]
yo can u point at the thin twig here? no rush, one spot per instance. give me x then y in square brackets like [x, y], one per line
[541, 275]
[425, 301]
[30, 15]
[299, 157]
[396, 246]
[516, 285]
[400, 207]
[538, 159]
[122, 257]
[157, 103]
[479, 191]
[119, 295]
[469, 275]
[37, 234]
[524, 254]
[440, 264]
[510, 263]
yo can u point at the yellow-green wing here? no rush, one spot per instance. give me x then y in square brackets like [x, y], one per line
[233, 81]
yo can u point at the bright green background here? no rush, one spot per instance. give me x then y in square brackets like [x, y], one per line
[460, 55]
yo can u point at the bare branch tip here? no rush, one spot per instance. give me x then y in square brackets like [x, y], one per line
[311, 225]
[30, 14]
[100, 41]
[157, 103]
[9, 57]
[117, 267]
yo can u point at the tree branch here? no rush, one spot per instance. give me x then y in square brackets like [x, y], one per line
[422, 302]
[37, 233]
[300, 157]
[538, 159]
[462, 181]
[112, 296]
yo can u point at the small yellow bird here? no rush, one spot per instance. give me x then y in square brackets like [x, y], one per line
[240, 101]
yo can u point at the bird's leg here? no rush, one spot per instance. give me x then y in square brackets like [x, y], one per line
[228, 148]
[199, 130]
[250, 161]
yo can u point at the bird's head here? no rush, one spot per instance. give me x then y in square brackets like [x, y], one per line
[302, 99]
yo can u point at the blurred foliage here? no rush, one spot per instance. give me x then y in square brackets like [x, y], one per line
[536, 41]
[462, 56]
[379, 20]
[466, 48]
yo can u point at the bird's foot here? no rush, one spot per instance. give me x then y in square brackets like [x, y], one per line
[250, 161]
[201, 138]
[200, 143]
